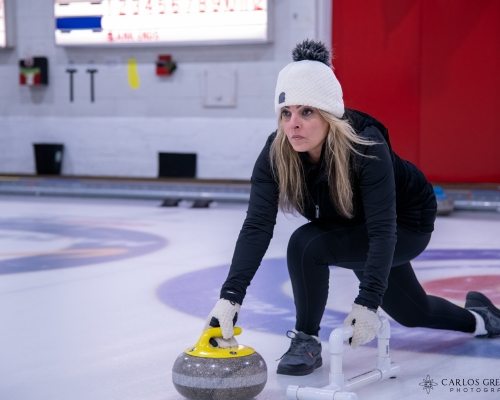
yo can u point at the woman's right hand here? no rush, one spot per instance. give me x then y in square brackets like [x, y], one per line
[225, 315]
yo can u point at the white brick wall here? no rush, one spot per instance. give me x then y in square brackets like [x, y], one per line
[128, 146]
[122, 132]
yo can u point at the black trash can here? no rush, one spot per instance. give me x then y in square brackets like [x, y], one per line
[177, 165]
[48, 158]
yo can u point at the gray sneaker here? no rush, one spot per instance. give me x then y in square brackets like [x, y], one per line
[303, 356]
[480, 304]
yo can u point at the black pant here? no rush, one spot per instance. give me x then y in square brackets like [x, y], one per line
[318, 244]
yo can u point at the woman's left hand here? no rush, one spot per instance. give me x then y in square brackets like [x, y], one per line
[366, 325]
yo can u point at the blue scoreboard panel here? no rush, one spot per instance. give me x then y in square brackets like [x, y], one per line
[111, 22]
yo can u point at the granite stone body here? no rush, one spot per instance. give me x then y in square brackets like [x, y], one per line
[238, 378]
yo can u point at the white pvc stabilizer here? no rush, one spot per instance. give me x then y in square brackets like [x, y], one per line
[327, 393]
[339, 388]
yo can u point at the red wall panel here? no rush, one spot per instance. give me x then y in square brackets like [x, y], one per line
[460, 140]
[428, 69]
[374, 45]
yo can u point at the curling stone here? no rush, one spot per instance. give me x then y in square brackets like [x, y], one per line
[204, 372]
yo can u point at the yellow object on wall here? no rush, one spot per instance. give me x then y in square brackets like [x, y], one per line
[133, 75]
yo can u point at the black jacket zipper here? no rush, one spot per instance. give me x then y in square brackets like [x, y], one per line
[316, 204]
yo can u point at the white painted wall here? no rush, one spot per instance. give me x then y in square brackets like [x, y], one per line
[121, 133]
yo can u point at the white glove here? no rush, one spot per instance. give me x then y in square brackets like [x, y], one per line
[225, 315]
[366, 325]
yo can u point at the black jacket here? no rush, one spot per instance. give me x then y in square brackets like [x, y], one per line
[386, 191]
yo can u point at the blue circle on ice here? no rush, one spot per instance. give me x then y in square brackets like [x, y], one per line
[268, 309]
[90, 245]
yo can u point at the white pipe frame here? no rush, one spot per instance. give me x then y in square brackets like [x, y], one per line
[339, 388]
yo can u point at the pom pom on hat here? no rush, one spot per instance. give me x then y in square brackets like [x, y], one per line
[312, 51]
[309, 81]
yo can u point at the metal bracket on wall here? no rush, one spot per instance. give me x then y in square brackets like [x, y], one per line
[71, 71]
[92, 71]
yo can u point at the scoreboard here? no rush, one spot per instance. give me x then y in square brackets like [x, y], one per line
[7, 23]
[113, 22]
[3, 30]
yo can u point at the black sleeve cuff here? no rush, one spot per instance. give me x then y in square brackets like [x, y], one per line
[231, 296]
[366, 303]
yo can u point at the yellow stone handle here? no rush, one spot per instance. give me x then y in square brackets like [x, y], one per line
[203, 348]
[204, 341]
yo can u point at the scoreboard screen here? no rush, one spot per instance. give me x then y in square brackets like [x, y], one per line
[112, 22]
[3, 30]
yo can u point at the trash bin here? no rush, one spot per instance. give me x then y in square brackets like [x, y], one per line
[48, 158]
[177, 165]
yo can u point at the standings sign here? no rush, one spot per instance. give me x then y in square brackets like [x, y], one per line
[112, 22]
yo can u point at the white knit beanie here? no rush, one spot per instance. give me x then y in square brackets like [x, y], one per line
[309, 81]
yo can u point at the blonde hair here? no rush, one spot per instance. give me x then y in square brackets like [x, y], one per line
[339, 148]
